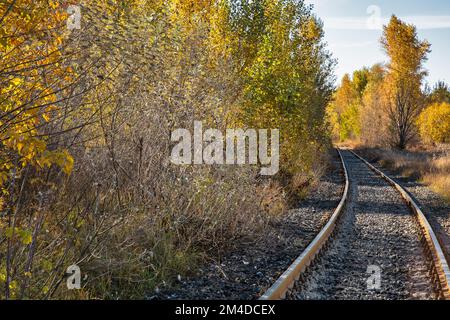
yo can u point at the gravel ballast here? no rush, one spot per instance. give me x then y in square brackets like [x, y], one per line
[435, 208]
[377, 230]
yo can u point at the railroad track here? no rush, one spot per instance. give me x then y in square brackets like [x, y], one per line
[376, 221]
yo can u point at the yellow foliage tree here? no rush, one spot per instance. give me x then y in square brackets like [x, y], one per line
[404, 78]
[32, 80]
[434, 123]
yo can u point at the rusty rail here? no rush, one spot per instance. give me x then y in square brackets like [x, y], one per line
[439, 261]
[291, 275]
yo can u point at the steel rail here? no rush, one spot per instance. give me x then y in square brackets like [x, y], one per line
[292, 274]
[437, 254]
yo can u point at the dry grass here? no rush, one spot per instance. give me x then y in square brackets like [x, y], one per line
[429, 165]
[439, 177]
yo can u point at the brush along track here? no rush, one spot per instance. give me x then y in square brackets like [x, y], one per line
[253, 263]
[375, 229]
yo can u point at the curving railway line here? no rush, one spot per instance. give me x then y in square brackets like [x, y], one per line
[376, 245]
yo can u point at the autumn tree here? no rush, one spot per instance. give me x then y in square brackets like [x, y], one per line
[391, 97]
[35, 81]
[440, 93]
[287, 75]
[407, 55]
[434, 123]
[345, 109]
[373, 119]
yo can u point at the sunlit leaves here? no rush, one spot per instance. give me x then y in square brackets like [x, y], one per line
[434, 123]
[31, 77]
[286, 73]
[345, 111]
[22, 235]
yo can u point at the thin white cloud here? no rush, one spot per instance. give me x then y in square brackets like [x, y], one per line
[364, 23]
[429, 22]
[348, 23]
[353, 44]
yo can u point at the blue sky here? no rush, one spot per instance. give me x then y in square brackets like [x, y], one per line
[353, 30]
